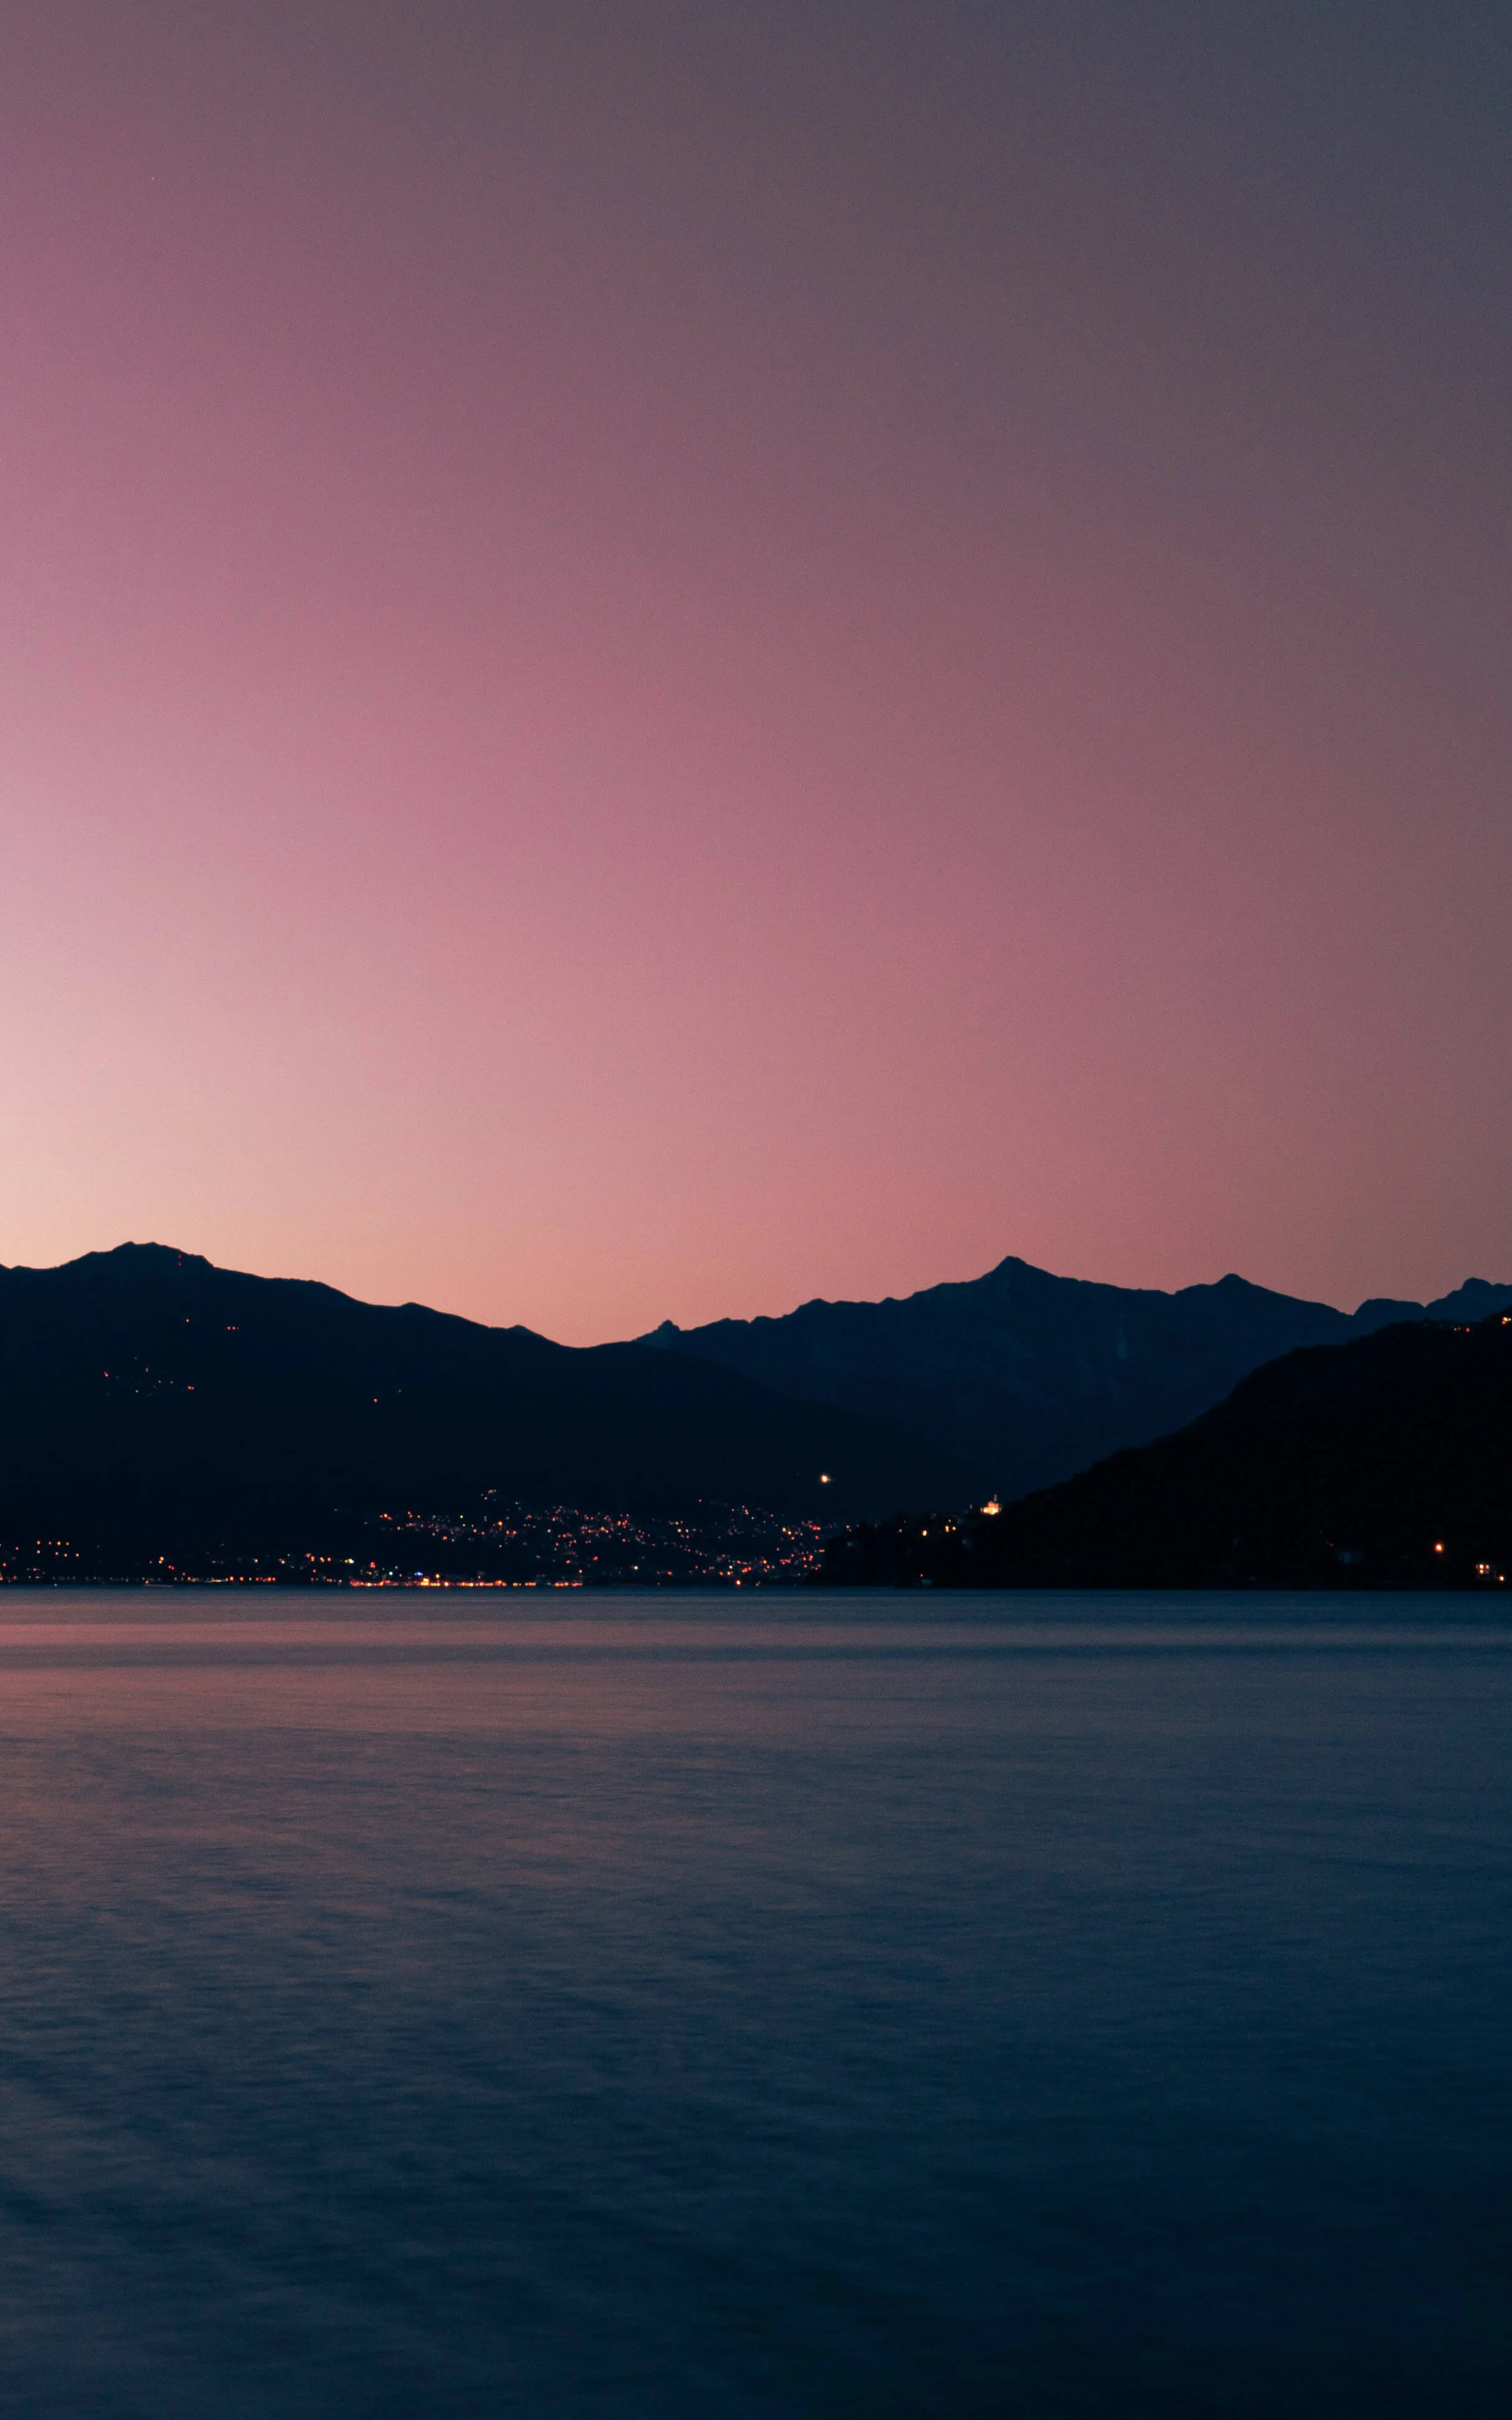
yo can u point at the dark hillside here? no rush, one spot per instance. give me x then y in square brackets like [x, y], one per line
[146, 1396]
[1383, 1463]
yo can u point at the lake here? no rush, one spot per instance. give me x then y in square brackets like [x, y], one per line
[754, 2004]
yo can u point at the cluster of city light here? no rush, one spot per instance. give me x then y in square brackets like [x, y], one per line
[572, 1546]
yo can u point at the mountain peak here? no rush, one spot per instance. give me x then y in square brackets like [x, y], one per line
[1474, 1300]
[160, 1255]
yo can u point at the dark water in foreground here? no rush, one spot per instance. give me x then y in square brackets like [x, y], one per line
[686, 2006]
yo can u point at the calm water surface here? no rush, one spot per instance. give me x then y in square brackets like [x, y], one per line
[456, 2005]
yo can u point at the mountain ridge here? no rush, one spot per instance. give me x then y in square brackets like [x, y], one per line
[1036, 1376]
[146, 1394]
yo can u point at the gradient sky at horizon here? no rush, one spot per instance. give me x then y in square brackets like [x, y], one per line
[658, 659]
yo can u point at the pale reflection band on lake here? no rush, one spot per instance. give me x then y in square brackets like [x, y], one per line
[680, 2006]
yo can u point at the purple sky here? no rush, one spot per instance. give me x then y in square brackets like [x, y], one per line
[657, 659]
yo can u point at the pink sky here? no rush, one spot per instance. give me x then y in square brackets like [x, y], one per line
[656, 660]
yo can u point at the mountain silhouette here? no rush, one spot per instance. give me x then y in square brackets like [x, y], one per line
[1385, 1461]
[1032, 1377]
[147, 1396]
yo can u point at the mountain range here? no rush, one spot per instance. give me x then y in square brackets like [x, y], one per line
[1385, 1461]
[1032, 1378]
[156, 1411]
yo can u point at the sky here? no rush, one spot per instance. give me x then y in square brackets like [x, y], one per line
[656, 660]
